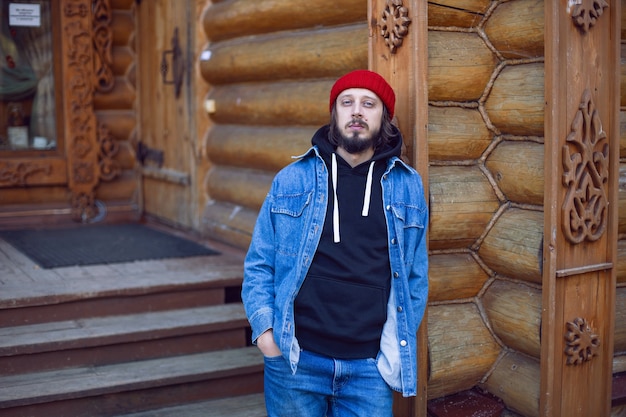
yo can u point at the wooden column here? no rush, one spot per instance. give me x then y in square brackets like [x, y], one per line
[80, 120]
[398, 50]
[580, 224]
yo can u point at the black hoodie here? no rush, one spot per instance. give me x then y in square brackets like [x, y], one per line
[342, 305]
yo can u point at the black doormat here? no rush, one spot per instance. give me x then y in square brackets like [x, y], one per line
[100, 244]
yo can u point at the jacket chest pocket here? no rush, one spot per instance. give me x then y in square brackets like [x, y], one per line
[410, 223]
[288, 218]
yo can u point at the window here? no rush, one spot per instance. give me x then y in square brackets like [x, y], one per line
[28, 119]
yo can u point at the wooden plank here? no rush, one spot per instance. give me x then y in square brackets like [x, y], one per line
[21, 390]
[70, 334]
[240, 406]
[135, 282]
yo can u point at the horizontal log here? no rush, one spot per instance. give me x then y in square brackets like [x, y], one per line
[514, 312]
[125, 157]
[461, 348]
[119, 123]
[458, 13]
[518, 169]
[516, 380]
[123, 4]
[122, 96]
[454, 276]
[459, 66]
[228, 223]
[277, 104]
[122, 59]
[122, 27]
[242, 187]
[124, 188]
[513, 246]
[235, 18]
[462, 202]
[516, 29]
[290, 55]
[258, 147]
[515, 104]
[619, 335]
[466, 138]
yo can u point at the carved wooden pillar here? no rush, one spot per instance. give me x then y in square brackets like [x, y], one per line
[399, 52]
[86, 68]
[580, 223]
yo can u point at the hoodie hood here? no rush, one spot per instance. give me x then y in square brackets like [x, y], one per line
[328, 153]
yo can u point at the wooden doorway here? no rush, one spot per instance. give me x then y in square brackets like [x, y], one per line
[165, 135]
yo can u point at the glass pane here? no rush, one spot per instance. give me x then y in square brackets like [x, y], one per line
[27, 103]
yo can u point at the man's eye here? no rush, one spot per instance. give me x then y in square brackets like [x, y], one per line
[369, 104]
[346, 102]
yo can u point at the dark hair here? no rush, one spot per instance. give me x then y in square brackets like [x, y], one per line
[387, 130]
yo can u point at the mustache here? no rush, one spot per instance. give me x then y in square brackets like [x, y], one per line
[357, 121]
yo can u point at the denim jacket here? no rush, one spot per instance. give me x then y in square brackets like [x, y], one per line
[284, 241]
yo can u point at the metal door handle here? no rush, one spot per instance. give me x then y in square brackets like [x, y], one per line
[177, 64]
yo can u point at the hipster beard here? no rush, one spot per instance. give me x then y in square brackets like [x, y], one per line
[354, 144]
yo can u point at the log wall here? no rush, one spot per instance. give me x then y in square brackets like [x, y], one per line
[270, 70]
[486, 196]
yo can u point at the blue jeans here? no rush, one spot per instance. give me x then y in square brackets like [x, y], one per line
[326, 387]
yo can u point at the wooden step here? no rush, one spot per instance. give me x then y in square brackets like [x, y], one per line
[134, 288]
[111, 390]
[241, 406]
[103, 340]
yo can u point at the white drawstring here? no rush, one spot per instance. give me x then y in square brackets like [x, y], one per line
[368, 192]
[336, 236]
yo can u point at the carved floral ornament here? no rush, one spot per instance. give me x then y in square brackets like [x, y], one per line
[394, 24]
[586, 12]
[585, 175]
[581, 344]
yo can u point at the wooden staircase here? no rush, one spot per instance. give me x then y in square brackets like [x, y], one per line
[155, 338]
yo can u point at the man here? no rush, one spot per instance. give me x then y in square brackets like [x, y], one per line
[335, 279]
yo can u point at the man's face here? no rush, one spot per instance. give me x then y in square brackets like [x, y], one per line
[359, 114]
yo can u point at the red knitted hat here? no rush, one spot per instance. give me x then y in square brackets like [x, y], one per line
[368, 80]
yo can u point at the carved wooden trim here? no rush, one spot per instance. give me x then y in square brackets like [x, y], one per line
[16, 174]
[102, 42]
[80, 119]
[585, 174]
[585, 13]
[581, 344]
[394, 24]
[109, 148]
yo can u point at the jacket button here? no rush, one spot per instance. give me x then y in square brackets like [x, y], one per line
[402, 343]
[388, 208]
[393, 241]
[399, 309]
[396, 275]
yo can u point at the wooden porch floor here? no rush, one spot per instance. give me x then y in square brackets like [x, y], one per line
[23, 281]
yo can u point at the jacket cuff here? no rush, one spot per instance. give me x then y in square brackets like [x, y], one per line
[260, 322]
